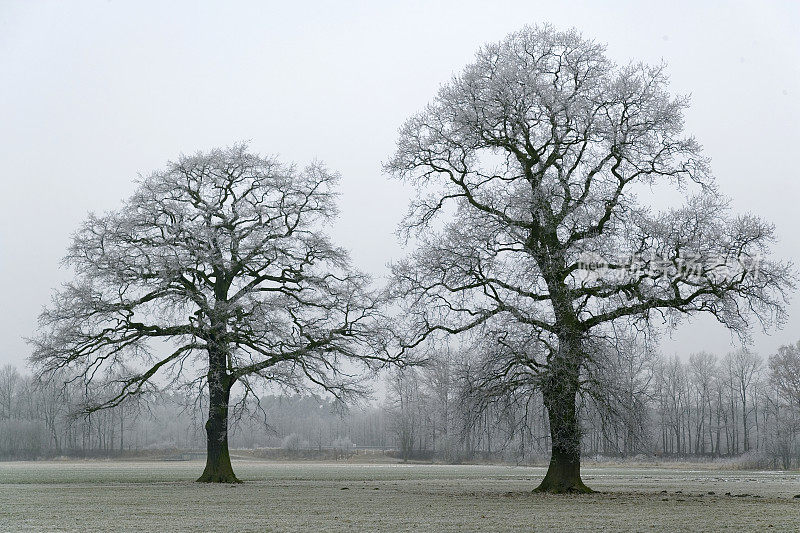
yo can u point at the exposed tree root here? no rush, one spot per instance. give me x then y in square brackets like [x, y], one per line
[567, 486]
[218, 477]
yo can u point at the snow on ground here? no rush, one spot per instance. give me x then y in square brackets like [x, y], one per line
[160, 496]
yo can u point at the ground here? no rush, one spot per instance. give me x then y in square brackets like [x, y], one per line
[161, 496]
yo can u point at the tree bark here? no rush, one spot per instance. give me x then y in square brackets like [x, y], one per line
[218, 460]
[564, 473]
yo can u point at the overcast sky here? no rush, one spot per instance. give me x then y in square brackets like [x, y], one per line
[93, 93]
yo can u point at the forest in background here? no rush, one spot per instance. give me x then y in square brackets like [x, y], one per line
[740, 406]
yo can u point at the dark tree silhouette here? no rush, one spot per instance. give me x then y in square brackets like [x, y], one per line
[531, 165]
[215, 272]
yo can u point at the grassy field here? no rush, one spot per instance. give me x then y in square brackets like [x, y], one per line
[160, 496]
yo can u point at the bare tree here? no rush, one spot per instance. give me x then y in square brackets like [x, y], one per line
[52, 405]
[744, 366]
[619, 380]
[675, 394]
[9, 380]
[702, 366]
[528, 165]
[784, 369]
[217, 271]
[405, 407]
[439, 384]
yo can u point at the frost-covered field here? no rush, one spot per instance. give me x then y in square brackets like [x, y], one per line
[160, 496]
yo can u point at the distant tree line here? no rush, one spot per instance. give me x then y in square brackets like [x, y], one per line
[45, 421]
[740, 405]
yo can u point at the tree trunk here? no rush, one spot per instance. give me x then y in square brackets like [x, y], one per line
[218, 460]
[564, 473]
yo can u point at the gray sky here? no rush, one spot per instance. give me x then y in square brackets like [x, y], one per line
[93, 93]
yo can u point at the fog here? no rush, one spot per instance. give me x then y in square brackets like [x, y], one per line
[94, 93]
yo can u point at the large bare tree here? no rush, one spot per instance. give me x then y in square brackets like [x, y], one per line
[217, 271]
[534, 166]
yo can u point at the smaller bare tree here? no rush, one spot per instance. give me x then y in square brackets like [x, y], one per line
[216, 272]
